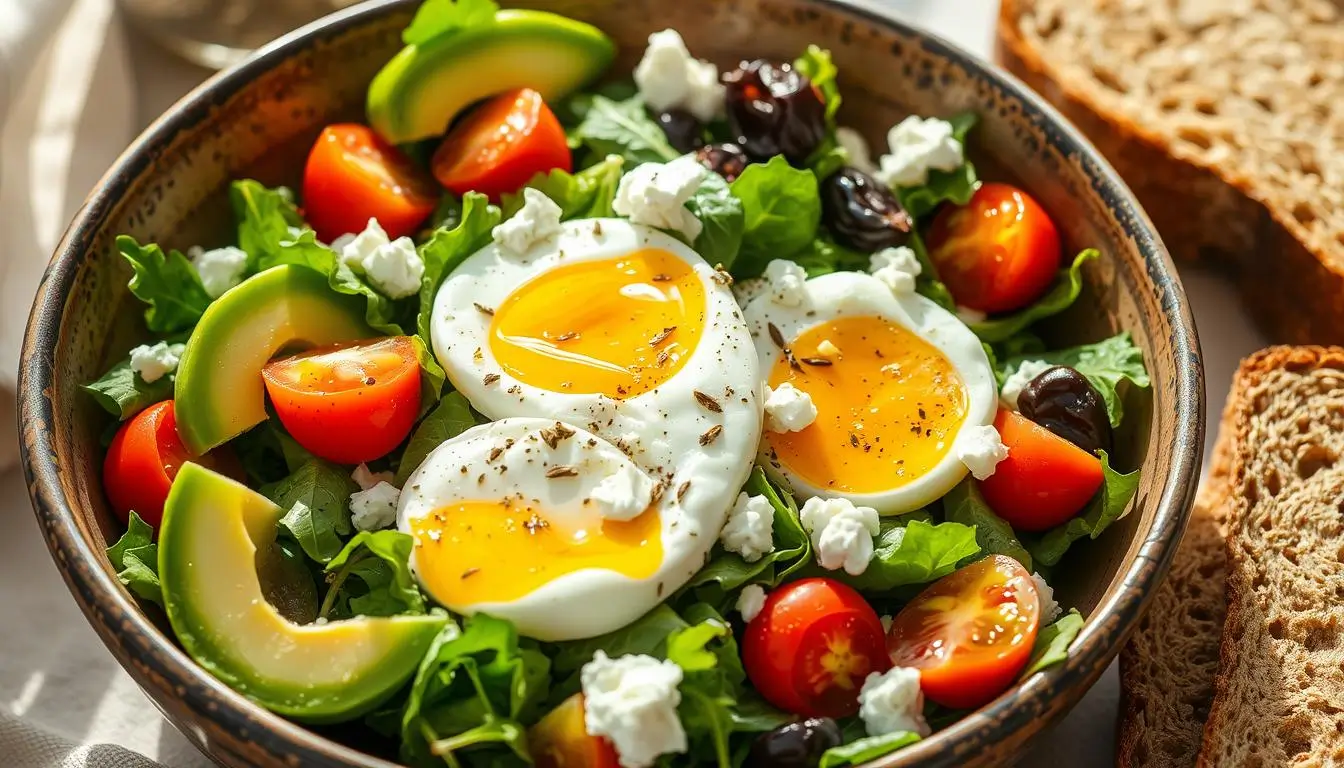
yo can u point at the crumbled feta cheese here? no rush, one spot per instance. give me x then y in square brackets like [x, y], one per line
[374, 508]
[827, 348]
[353, 249]
[624, 494]
[366, 479]
[392, 267]
[750, 602]
[220, 268]
[970, 316]
[338, 245]
[655, 194]
[856, 147]
[980, 448]
[787, 281]
[154, 361]
[1019, 379]
[842, 534]
[632, 702]
[1050, 609]
[788, 409]
[669, 77]
[536, 222]
[896, 267]
[917, 146]
[891, 701]
[886, 620]
[750, 528]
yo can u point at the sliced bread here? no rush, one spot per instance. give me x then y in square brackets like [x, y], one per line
[1226, 117]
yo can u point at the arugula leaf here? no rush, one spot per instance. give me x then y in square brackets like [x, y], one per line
[136, 559]
[380, 563]
[823, 256]
[817, 65]
[315, 495]
[266, 217]
[437, 18]
[721, 214]
[1110, 504]
[587, 194]
[1105, 363]
[712, 680]
[865, 749]
[1068, 285]
[122, 393]
[450, 418]
[167, 283]
[1053, 641]
[927, 283]
[964, 504]
[622, 128]
[781, 207]
[954, 186]
[913, 552]
[448, 248]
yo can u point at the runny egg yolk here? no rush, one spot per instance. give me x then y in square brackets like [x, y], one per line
[888, 406]
[619, 327]
[486, 552]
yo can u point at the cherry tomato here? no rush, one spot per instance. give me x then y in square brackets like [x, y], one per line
[560, 740]
[501, 145]
[997, 253]
[811, 646]
[970, 633]
[353, 176]
[1044, 481]
[349, 403]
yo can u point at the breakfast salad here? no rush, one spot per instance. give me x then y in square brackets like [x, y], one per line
[568, 418]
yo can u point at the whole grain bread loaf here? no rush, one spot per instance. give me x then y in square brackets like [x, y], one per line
[1226, 117]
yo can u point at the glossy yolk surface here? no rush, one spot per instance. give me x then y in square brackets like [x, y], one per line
[619, 327]
[888, 406]
[485, 551]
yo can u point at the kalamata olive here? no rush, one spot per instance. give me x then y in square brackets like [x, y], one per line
[1063, 401]
[796, 745]
[683, 131]
[727, 159]
[773, 109]
[861, 212]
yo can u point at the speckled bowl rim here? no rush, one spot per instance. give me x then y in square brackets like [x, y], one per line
[157, 663]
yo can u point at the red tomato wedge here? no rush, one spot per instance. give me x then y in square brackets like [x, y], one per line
[1044, 481]
[353, 176]
[560, 740]
[970, 633]
[997, 253]
[501, 145]
[349, 403]
[812, 645]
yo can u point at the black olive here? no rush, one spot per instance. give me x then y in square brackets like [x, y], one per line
[796, 745]
[1063, 401]
[727, 159]
[773, 109]
[861, 212]
[683, 131]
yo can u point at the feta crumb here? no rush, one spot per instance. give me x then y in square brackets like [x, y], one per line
[918, 145]
[669, 77]
[970, 316]
[1019, 379]
[891, 701]
[886, 620]
[353, 249]
[896, 267]
[980, 448]
[655, 194]
[154, 361]
[624, 494]
[375, 508]
[632, 702]
[220, 268]
[366, 479]
[1050, 609]
[828, 349]
[750, 602]
[842, 534]
[856, 147]
[787, 281]
[750, 528]
[338, 245]
[536, 222]
[392, 267]
[788, 409]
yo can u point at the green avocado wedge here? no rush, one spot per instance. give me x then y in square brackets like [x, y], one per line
[418, 93]
[219, 389]
[212, 531]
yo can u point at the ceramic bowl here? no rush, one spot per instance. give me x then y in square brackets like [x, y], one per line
[258, 119]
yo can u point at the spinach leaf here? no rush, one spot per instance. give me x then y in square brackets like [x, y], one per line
[964, 504]
[136, 559]
[721, 214]
[865, 749]
[587, 194]
[622, 128]
[122, 393]
[450, 418]
[315, 495]
[1053, 641]
[379, 561]
[913, 552]
[1068, 285]
[448, 248]
[1105, 363]
[823, 256]
[781, 208]
[167, 283]
[1111, 504]
[436, 18]
[955, 186]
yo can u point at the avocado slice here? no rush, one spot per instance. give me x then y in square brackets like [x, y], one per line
[419, 92]
[219, 390]
[212, 531]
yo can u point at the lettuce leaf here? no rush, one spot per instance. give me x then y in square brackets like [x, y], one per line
[913, 551]
[1067, 287]
[711, 684]
[622, 128]
[964, 504]
[1110, 504]
[437, 18]
[122, 393]
[1053, 641]
[588, 194]
[379, 564]
[136, 559]
[448, 248]
[782, 208]
[167, 283]
[1105, 363]
[450, 418]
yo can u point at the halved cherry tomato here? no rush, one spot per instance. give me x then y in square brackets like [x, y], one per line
[812, 645]
[970, 633]
[560, 740]
[349, 403]
[353, 176]
[997, 253]
[1044, 481]
[501, 145]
